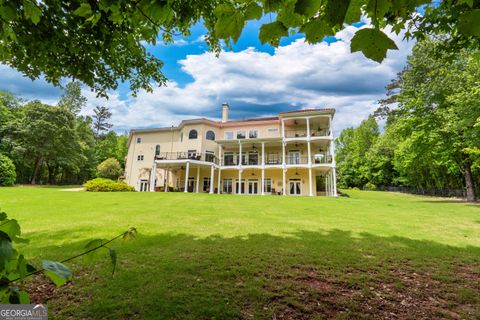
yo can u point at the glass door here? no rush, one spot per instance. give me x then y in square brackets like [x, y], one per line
[252, 186]
[294, 157]
[295, 187]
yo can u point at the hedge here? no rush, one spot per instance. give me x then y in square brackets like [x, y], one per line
[8, 175]
[106, 185]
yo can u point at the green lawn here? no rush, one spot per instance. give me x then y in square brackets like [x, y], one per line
[200, 256]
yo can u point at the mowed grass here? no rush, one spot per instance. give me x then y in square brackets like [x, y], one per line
[199, 256]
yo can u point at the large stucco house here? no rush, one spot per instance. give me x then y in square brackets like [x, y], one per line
[291, 154]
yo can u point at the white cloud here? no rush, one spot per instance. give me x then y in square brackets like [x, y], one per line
[256, 83]
[298, 75]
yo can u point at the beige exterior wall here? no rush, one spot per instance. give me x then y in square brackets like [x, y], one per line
[141, 156]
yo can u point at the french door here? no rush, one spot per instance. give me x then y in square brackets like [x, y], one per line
[295, 187]
[252, 186]
[294, 157]
[143, 185]
[191, 184]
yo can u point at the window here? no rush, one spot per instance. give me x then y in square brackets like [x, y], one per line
[252, 134]
[241, 135]
[143, 185]
[210, 135]
[206, 184]
[228, 135]
[139, 140]
[192, 154]
[140, 157]
[157, 150]
[272, 129]
[267, 185]
[227, 186]
[228, 159]
[253, 158]
[209, 156]
[181, 136]
[193, 134]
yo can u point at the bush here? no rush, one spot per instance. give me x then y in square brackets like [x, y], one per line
[109, 169]
[106, 185]
[8, 176]
[370, 186]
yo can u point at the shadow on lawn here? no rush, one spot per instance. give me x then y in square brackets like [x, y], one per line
[299, 276]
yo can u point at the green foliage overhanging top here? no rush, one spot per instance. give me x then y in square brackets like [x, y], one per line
[101, 43]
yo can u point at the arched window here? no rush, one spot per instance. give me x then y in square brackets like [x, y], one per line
[193, 134]
[210, 135]
[157, 150]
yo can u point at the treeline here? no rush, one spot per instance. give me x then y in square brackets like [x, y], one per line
[431, 135]
[54, 144]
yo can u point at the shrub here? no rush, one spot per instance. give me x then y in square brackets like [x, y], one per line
[106, 185]
[109, 169]
[8, 175]
[370, 186]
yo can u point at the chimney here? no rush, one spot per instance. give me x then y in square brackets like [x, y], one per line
[225, 108]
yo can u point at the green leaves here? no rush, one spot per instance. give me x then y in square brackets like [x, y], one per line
[272, 32]
[229, 23]
[57, 272]
[253, 11]
[31, 11]
[373, 43]
[84, 10]
[469, 23]
[307, 8]
[315, 30]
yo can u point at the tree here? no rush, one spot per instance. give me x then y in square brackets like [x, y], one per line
[101, 116]
[100, 43]
[72, 98]
[439, 107]
[109, 169]
[7, 171]
[352, 147]
[47, 136]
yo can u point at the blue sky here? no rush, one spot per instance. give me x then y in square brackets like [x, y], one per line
[255, 79]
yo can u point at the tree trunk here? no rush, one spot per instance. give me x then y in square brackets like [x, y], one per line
[52, 170]
[467, 173]
[38, 164]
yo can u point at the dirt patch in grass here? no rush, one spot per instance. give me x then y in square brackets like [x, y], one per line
[400, 294]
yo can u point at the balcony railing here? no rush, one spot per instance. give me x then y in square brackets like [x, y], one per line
[276, 159]
[204, 156]
[302, 133]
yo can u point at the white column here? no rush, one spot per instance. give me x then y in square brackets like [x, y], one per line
[187, 169]
[284, 169]
[308, 127]
[220, 163]
[283, 129]
[153, 173]
[310, 181]
[212, 170]
[165, 185]
[262, 182]
[197, 187]
[239, 188]
[334, 177]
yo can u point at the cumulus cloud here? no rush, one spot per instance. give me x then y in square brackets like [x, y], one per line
[255, 83]
[298, 75]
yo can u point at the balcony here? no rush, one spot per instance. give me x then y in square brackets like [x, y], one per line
[302, 133]
[204, 156]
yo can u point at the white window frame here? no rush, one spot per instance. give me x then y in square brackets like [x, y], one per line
[227, 134]
[250, 132]
[244, 134]
[206, 187]
[140, 157]
[227, 183]
[267, 182]
[139, 139]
